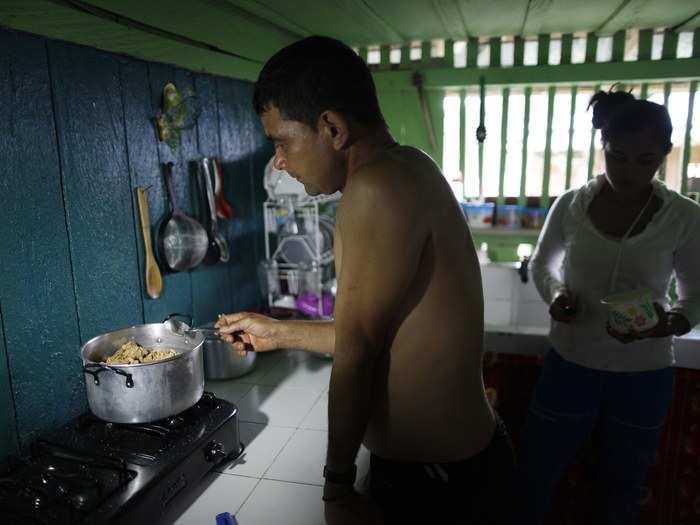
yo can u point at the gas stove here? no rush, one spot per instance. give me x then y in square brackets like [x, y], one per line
[93, 472]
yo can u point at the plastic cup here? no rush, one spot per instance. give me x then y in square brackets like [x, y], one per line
[631, 311]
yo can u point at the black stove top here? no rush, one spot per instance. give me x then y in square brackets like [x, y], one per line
[91, 471]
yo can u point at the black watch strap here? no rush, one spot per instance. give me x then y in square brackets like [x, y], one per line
[341, 478]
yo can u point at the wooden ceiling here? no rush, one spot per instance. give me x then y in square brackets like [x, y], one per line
[234, 37]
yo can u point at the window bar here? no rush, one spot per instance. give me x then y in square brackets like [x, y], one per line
[644, 46]
[618, 50]
[696, 43]
[687, 144]
[425, 53]
[543, 50]
[495, 52]
[482, 119]
[504, 140]
[570, 149]
[591, 147]
[644, 92]
[518, 51]
[363, 53]
[405, 56]
[384, 61]
[591, 47]
[667, 94]
[463, 136]
[526, 131]
[449, 53]
[472, 51]
[566, 44]
[670, 45]
[544, 200]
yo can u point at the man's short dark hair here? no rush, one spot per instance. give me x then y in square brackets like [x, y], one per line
[314, 75]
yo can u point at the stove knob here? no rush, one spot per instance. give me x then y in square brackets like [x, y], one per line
[214, 452]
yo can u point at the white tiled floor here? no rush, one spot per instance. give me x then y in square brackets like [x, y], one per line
[283, 407]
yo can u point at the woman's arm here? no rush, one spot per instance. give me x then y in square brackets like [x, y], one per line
[686, 263]
[549, 252]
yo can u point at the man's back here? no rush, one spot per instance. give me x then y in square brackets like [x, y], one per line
[428, 396]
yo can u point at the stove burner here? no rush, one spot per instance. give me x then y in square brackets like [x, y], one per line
[90, 471]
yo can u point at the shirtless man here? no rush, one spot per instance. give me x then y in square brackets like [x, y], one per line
[407, 339]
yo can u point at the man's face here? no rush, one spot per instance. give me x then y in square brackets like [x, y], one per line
[305, 154]
[631, 160]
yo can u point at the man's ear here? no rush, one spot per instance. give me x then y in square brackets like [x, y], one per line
[334, 127]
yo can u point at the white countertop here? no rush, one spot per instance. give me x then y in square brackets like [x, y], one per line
[532, 340]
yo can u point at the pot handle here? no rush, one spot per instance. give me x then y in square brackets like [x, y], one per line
[94, 369]
[184, 316]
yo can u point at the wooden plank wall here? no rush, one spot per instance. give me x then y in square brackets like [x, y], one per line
[76, 137]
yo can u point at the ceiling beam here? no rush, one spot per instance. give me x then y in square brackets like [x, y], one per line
[611, 16]
[687, 21]
[54, 19]
[369, 11]
[582, 74]
[527, 13]
[269, 15]
[117, 18]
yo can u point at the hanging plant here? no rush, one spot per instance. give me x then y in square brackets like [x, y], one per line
[178, 113]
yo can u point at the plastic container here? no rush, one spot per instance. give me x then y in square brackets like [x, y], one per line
[479, 215]
[631, 311]
[533, 218]
[508, 215]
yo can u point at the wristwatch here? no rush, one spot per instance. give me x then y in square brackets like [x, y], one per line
[341, 478]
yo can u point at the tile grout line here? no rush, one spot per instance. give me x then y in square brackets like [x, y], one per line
[248, 497]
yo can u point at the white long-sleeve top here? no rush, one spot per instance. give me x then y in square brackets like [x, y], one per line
[572, 254]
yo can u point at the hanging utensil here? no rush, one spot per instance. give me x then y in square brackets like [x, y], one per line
[223, 208]
[182, 241]
[154, 280]
[221, 252]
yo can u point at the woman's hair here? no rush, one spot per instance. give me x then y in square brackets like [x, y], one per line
[618, 112]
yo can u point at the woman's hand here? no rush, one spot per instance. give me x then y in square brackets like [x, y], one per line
[563, 308]
[669, 324]
[247, 331]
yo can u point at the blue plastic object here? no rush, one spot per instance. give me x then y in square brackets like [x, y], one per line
[225, 518]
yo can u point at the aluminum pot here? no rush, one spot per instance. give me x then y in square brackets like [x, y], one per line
[221, 361]
[145, 392]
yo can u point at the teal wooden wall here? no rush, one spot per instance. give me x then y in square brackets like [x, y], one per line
[76, 136]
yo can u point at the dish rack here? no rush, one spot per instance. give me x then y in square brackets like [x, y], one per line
[299, 250]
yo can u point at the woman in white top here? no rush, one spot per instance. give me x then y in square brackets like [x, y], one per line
[623, 231]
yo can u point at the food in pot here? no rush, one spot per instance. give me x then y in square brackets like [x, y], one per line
[132, 353]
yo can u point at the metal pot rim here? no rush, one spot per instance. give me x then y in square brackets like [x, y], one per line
[179, 355]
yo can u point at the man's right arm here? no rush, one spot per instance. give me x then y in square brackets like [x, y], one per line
[264, 333]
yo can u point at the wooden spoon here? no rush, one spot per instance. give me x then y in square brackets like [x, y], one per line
[154, 281]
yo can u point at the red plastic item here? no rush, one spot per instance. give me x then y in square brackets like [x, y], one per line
[223, 208]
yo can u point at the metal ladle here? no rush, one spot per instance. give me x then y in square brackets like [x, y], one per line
[183, 329]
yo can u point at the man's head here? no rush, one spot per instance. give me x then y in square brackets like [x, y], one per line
[310, 97]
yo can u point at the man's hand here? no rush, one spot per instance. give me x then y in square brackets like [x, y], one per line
[669, 324]
[344, 506]
[247, 331]
[563, 308]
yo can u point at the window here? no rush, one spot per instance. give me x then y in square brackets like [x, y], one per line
[395, 55]
[460, 53]
[584, 140]
[507, 52]
[416, 51]
[374, 55]
[483, 57]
